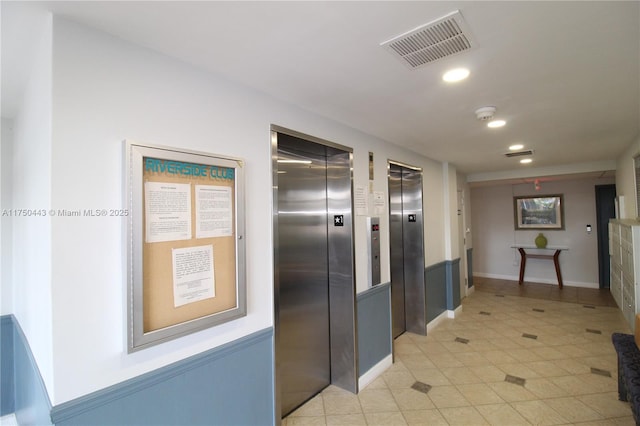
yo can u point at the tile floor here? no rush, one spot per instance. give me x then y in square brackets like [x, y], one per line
[505, 360]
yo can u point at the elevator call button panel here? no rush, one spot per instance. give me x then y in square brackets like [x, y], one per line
[373, 246]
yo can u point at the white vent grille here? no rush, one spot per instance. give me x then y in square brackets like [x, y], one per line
[438, 39]
[519, 153]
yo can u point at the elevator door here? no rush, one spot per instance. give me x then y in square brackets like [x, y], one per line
[304, 347]
[406, 250]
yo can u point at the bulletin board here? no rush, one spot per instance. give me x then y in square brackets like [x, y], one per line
[186, 242]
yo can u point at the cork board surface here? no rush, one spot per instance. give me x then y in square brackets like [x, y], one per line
[159, 310]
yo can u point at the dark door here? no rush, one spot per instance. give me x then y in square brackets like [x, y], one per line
[605, 210]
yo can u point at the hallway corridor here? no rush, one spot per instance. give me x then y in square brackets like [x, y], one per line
[505, 360]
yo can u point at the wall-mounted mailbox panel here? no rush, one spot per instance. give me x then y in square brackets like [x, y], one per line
[373, 247]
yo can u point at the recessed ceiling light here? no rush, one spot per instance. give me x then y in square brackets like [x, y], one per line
[496, 123]
[456, 74]
[526, 161]
[516, 147]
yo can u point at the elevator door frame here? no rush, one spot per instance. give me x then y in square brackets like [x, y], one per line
[413, 282]
[341, 255]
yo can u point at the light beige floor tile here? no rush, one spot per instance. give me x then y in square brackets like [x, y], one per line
[385, 419]
[313, 407]
[444, 360]
[538, 413]
[432, 377]
[377, 400]
[460, 375]
[432, 348]
[411, 399]
[572, 385]
[305, 421]
[478, 394]
[624, 421]
[546, 369]
[339, 403]
[523, 355]
[544, 388]
[424, 418]
[407, 348]
[488, 373]
[573, 409]
[606, 404]
[346, 420]
[471, 359]
[416, 361]
[463, 416]
[548, 353]
[600, 383]
[518, 370]
[501, 414]
[378, 383]
[499, 357]
[511, 392]
[447, 396]
[573, 366]
[399, 379]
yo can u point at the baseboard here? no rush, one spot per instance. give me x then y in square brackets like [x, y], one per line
[453, 313]
[436, 321]
[374, 372]
[537, 280]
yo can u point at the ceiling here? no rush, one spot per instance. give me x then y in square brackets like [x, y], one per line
[564, 75]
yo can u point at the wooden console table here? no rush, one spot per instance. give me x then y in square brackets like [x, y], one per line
[524, 255]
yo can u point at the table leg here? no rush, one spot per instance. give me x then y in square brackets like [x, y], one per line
[556, 262]
[523, 263]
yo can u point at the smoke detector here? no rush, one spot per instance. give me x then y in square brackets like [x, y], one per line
[485, 113]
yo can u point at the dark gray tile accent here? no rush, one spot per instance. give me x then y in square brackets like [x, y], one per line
[515, 380]
[600, 372]
[421, 387]
[529, 336]
[462, 340]
[485, 313]
[591, 330]
[538, 310]
[589, 306]
[499, 295]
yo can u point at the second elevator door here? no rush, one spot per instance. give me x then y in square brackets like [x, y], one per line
[407, 252]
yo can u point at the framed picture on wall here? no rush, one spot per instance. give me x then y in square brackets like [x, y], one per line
[540, 212]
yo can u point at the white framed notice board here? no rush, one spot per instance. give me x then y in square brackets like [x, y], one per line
[185, 240]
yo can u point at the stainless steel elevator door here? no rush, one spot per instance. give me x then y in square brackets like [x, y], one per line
[303, 350]
[396, 250]
[406, 250]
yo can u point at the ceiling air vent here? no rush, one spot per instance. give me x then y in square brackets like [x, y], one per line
[519, 153]
[435, 40]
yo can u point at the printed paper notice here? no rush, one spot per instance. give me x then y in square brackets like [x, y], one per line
[379, 203]
[213, 211]
[167, 211]
[193, 278]
[360, 200]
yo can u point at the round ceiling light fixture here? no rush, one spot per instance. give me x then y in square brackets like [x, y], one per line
[496, 123]
[526, 161]
[516, 147]
[455, 75]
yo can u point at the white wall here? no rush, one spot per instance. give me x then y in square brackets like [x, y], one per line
[625, 181]
[493, 233]
[30, 189]
[106, 90]
[6, 228]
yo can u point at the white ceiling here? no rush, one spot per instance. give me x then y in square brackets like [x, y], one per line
[565, 75]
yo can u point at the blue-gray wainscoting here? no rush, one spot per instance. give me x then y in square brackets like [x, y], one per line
[374, 326]
[442, 285]
[23, 389]
[231, 385]
[453, 284]
[7, 400]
